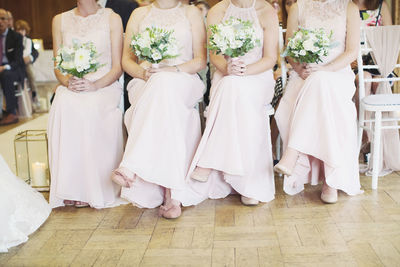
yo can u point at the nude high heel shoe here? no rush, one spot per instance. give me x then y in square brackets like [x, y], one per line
[329, 195]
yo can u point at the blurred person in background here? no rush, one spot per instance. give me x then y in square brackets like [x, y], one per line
[30, 54]
[11, 67]
[203, 6]
[10, 20]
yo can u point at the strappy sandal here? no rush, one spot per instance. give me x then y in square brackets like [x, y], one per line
[69, 203]
[80, 204]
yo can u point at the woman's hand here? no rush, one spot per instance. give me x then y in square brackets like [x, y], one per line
[146, 74]
[236, 67]
[317, 67]
[150, 71]
[81, 85]
[302, 69]
[163, 68]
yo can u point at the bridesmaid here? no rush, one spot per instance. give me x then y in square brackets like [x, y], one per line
[163, 124]
[235, 151]
[85, 123]
[316, 116]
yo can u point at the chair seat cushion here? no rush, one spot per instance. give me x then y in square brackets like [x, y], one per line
[382, 100]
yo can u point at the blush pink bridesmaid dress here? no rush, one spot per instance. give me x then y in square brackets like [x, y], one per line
[236, 143]
[85, 129]
[317, 116]
[163, 124]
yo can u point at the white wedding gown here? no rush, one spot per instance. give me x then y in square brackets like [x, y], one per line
[22, 209]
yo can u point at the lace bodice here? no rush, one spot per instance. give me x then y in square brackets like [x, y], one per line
[94, 28]
[329, 15]
[172, 19]
[247, 14]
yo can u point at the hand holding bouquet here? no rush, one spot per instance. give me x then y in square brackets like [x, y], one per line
[78, 60]
[309, 46]
[154, 45]
[233, 38]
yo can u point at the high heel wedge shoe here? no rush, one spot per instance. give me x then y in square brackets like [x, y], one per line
[200, 174]
[329, 195]
[249, 201]
[279, 168]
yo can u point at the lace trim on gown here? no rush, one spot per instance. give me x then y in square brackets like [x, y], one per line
[82, 25]
[172, 19]
[323, 9]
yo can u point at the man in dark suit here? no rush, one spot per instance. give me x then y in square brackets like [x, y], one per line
[12, 67]
[124, 8]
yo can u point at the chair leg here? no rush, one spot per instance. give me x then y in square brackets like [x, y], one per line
[278, 150]
[361, 119]
[278, 147]
[201, 108]
[376, 152]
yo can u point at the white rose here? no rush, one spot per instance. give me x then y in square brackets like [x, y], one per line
[302, 52]
[67, 65]
[155, 54]
[308, 45]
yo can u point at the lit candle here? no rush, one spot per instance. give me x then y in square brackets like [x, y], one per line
[39, 174]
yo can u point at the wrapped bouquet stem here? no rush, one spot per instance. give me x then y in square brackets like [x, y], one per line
[155, 45]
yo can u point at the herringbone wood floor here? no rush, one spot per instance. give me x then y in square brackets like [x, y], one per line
[289, 231]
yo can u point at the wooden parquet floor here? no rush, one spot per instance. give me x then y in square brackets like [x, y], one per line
[290, 231]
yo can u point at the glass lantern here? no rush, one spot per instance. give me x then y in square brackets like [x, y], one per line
[31, 158]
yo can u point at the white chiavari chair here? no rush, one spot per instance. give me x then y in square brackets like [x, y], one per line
[376, 104]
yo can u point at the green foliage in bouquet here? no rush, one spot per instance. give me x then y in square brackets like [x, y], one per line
[154, 45]
[233, 37]
[309, 46]
[77, 60]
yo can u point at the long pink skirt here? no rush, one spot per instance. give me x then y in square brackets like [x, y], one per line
[317, 117]
[236, 143]
[85, 145]
[163, 133]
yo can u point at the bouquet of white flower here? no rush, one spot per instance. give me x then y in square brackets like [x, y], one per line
[78, 60]
[154, 45]
[233, 37]
[309, 46]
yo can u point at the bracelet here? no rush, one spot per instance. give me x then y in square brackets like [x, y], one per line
[177, 68]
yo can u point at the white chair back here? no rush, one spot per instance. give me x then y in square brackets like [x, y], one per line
[365, 49]
[380, 105]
